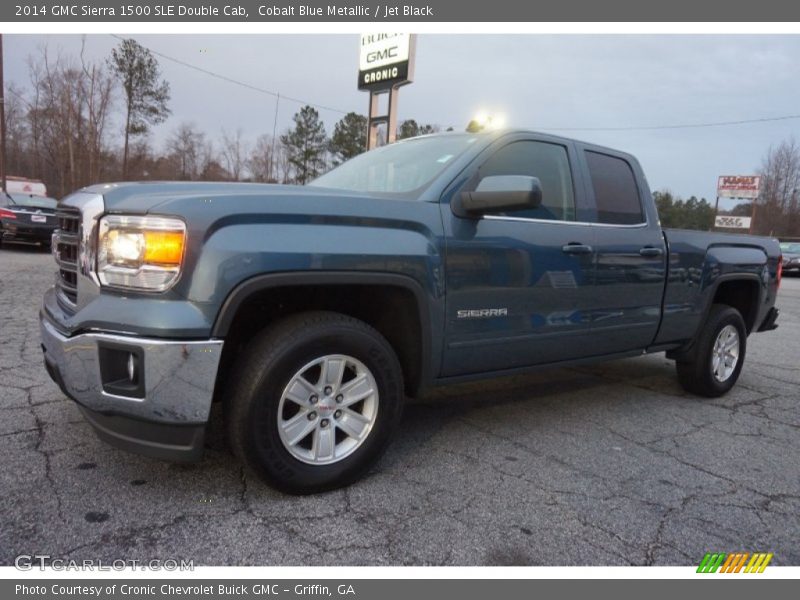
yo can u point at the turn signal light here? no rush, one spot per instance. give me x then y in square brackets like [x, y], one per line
[163, 247]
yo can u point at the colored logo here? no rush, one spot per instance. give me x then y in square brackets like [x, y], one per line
[743, 562]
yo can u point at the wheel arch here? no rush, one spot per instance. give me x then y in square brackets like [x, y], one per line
[742, 291]
[395, 305]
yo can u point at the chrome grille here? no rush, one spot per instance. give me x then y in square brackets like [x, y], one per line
[65, 249]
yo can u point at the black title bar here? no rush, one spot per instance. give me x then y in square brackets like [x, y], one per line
[378, 12]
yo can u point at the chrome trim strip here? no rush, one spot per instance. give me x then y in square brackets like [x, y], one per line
[559, 222]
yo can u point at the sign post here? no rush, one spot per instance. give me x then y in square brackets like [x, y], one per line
[738, 187]
[386, 62]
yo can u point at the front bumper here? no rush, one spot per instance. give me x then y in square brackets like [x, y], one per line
[164, 415]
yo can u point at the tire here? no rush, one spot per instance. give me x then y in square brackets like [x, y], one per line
[259, 401]
[697, 375]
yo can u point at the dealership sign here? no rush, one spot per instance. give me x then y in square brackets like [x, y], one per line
[385, 60]
[738, 186]
[730, 222]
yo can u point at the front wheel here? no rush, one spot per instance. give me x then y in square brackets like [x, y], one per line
[315, 402]
[718, 356]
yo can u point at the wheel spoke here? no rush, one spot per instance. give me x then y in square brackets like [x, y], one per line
[332, 372]
[324, 443]
[300, 390]
[356, 390]
[353, 424]
[298, 427]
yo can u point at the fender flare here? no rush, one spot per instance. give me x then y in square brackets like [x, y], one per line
[686, 351]
[259, 283]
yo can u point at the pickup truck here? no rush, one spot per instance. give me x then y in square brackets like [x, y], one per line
[311, 313]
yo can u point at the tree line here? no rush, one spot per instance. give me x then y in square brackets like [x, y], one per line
[80, 122]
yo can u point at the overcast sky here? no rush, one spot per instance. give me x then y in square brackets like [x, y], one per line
[536, 81]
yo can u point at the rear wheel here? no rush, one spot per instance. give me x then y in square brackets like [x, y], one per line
[315, 402]
[719, 352]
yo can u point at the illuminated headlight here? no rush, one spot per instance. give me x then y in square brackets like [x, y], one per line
[141, 253]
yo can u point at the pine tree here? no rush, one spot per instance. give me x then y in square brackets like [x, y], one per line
[349, 137]
[145, 96]
[306, 144]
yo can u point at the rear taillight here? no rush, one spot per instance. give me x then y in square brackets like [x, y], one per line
[7, 214]
[780, 270]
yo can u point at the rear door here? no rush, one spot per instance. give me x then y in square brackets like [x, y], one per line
[630, 269]
[519, 283]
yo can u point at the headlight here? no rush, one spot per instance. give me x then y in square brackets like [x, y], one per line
[143, 253]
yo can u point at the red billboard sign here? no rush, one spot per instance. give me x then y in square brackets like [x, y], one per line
[738, 186]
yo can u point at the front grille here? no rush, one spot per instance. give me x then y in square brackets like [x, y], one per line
[67, 236]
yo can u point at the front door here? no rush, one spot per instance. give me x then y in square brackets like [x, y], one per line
[519, 284]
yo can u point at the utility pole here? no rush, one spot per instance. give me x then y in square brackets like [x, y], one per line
[2, 121]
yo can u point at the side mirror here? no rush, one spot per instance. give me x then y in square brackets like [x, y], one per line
[503, 193]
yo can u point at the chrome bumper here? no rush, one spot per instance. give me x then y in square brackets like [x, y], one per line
[178, 376]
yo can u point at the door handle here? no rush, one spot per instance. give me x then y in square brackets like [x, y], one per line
[651, 251]
[576, 248]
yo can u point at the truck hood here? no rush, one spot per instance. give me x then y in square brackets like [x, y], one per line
[205, 206]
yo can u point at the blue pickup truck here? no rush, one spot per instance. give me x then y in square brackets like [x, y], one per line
[312, 312]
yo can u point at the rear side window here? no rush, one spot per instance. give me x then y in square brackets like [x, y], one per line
[615, 191]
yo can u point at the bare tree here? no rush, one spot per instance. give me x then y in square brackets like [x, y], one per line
[185, 147]
[96, 96]
[67, 117]
[777, 212]
[261, 162]
[234, 152]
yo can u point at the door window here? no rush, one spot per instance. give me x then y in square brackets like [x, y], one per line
[550, 164]
[615, 192]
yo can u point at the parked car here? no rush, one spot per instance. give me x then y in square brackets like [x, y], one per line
[312, 312]
[791, 256]
[27, 218]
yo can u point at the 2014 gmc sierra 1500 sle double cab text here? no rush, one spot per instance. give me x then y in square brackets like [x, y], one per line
[312, 312]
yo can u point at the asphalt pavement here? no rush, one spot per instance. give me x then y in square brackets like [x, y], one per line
[607, 464]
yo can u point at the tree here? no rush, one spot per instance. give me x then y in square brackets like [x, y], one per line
[234, 151]
[65, 119]
[349, 137]
[777, 210]
[680, 214]
[145, 96]
[262, 159]
[306, 144]
[188, 151]
[410, 128]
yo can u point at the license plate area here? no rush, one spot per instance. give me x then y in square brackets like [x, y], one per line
[38, 219]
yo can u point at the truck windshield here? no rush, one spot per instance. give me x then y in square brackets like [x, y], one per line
[397, 168]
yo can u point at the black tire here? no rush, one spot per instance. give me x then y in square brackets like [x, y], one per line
[268, 364]
[696, 373]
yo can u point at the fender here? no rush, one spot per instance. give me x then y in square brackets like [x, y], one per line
[293, 279]
[685, 351]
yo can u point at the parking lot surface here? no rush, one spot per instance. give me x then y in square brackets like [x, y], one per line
[607, 464]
